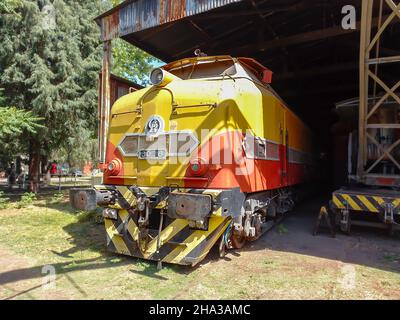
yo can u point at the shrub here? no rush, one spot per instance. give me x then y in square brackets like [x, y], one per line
[3, 200]
[57, 197]
[26, 200]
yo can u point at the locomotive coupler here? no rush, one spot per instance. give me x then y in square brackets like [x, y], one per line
[88, 199]
[144, 215]
[143, 223]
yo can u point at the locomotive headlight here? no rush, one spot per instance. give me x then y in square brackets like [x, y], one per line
[110, 213]
[156, 76]
[160, 77]
[114, 167]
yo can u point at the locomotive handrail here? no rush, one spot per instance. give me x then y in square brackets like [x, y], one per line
[139, 107]
[212, 105]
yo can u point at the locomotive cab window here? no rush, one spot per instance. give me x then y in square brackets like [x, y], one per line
[205, 69]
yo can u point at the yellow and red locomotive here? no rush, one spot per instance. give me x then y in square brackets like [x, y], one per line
[209, 154]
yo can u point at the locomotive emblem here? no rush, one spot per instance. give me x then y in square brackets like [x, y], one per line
[154, 126]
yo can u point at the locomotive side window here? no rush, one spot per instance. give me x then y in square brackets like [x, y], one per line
[272, 151]
[262, 149]
[299, 157]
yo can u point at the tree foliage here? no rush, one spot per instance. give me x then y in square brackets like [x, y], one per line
[50, 56]
[8, 6]
[50, 59]
[131, 63]
[14, 121]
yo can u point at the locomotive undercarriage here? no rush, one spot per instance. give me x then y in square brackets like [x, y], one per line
[176, 225]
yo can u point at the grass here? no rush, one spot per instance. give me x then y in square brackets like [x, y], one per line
[282, 229]
[391, 257]
[50, 232]
[3, 201]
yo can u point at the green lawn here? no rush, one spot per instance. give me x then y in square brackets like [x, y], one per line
[49, 232]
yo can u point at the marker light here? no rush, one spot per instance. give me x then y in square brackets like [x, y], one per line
[198, 167]
[114, 167]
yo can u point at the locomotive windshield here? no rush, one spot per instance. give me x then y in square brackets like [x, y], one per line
[204, 69]
[214, 68]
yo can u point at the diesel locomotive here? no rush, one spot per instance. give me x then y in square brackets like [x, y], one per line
[208, 155]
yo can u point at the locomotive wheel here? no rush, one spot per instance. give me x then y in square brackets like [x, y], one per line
[222, 248]
[238, 242]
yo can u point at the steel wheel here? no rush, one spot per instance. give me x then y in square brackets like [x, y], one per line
[238, 242]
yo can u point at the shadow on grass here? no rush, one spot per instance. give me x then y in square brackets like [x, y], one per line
[150, 271]
[62, 268]
[85, 234]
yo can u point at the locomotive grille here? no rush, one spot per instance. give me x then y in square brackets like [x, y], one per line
[179, 143]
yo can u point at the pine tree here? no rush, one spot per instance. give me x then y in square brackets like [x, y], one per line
[50, 57]
[8, 6]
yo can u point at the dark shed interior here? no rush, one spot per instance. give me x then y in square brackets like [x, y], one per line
[314, 59]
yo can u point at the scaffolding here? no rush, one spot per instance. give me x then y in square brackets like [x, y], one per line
[378, 123]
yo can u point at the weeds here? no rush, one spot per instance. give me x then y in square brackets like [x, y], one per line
[282, 229]
[56, 198]
[3, 200]
[87, 216]
[391, 257]
[27, 199]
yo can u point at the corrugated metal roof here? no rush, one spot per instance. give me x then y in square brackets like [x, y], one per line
[133, 16]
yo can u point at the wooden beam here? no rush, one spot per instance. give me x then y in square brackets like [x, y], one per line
[215, 42]
[319, 91]
[104, 107]
[300, 38]
[317, 71]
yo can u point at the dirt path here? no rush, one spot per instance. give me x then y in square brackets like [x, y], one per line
[13, 283]
[20, 278]
[290, 263]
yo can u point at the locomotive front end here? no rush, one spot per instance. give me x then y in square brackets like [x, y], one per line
[209, 154]
[163, 197]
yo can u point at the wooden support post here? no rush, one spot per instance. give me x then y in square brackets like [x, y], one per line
[366, 20]
[104, 107]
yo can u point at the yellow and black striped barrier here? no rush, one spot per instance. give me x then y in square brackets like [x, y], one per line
[374, 203]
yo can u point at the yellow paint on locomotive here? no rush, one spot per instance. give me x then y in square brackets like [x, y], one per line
[241, 104]
[212, 101]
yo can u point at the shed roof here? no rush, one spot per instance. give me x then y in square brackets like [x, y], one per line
[315, 61]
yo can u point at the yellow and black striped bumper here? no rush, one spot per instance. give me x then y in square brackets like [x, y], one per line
[372, 201]
[177, 243]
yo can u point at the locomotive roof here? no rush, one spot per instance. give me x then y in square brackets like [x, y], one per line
[252, 63]
[315, 61]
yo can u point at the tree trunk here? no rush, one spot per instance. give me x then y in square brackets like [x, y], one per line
[34, 166]
[46, 171]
